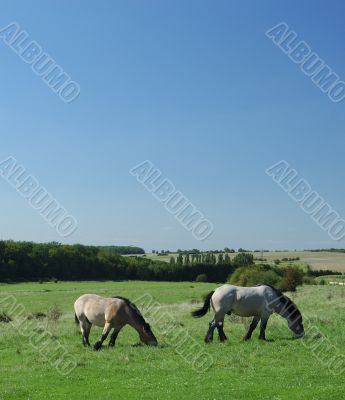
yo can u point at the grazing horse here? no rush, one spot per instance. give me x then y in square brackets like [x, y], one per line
[110, 313]
[259, 302]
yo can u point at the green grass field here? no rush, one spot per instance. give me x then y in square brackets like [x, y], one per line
[317, 260]
[280, 369]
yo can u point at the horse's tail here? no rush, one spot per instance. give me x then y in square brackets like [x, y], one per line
[203, 310]
[76, 319]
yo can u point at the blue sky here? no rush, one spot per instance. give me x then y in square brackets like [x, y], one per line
[196, 88]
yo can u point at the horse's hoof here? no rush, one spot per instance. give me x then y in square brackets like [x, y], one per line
[97, 347]
[245, 338]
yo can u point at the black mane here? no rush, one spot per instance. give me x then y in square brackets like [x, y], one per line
[276, 290]
[285, 302]
[134, 308]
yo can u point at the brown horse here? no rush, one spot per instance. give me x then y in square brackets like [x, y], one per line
[110, 313]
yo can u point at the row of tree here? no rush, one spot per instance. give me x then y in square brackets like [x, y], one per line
[194, 251]
[27, 261]
[122, 249]
[212, 259]
[330, 250]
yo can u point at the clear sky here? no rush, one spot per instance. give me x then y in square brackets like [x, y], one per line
[196, 88]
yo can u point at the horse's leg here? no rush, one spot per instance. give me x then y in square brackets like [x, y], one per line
[264, 320]
[106, 330]
[221, 334]
[217, 322]
[85, 327]
[251, 328]
[113, 337]
[209, 334]
[87, 333]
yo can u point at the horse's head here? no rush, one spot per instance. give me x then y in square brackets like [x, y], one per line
[287, 309]
[294, 318]
[147, 336]
[137, 321]
[295, 324]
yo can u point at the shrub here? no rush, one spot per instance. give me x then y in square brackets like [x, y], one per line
[4, 317]
[201, 278]
[321, 272]
[292, 277]
[308, 280]
[254, 275]
[54, 314]
[37, 315]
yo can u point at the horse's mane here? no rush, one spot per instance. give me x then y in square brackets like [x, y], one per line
[276, 290]
[284, 300]
[134, 308]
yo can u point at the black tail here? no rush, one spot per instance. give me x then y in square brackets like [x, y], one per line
[76, 319]
[203, 310]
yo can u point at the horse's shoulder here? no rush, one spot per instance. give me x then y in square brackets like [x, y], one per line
[270, 293]
[267, 288]
[120, 301]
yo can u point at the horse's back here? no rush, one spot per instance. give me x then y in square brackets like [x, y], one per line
[96, 309]
[79, 304]
[242, 301]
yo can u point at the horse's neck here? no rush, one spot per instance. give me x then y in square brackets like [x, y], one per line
[284, 307]
[133, 321]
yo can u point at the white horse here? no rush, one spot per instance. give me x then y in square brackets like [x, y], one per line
[258, 302]
[110, 313]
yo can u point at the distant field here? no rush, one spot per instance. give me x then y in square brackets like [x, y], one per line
[280, 369]
[317, 260]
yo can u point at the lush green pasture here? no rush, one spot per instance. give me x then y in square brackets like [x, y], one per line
[279, 369]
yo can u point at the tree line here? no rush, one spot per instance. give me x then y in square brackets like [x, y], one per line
[28, 261]
[122, 249]
[186, 259]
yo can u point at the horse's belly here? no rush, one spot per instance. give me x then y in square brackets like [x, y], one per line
[97, 320]
[248, 307]
[95, 315]
[243, 311]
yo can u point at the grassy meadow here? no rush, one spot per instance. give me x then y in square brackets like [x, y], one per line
[279, 369]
